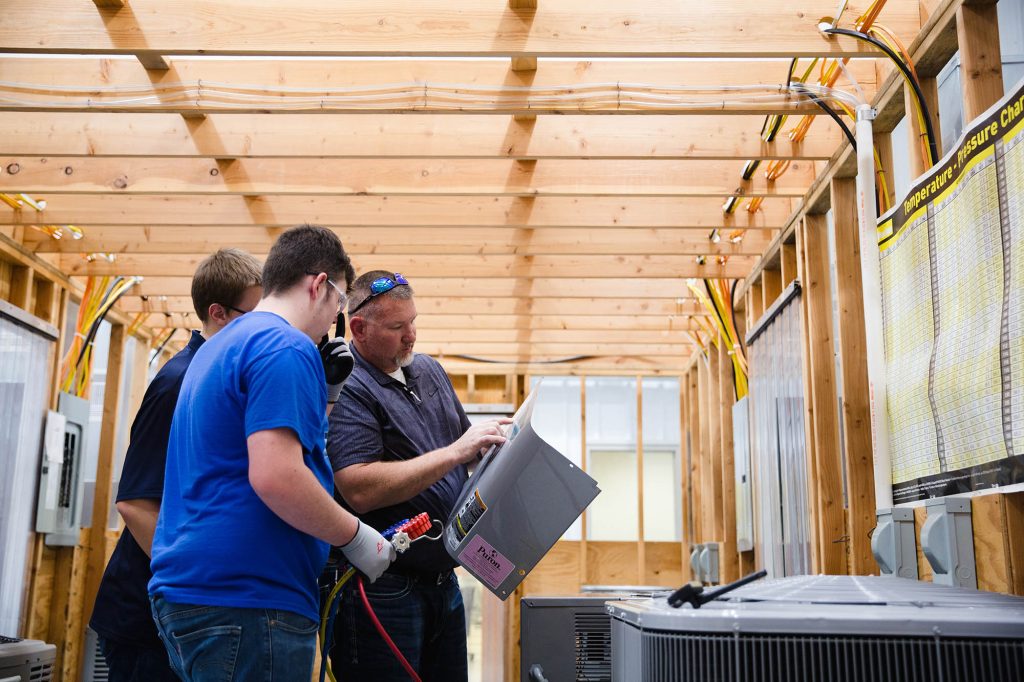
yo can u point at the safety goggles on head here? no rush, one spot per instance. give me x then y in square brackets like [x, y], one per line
[379, 286]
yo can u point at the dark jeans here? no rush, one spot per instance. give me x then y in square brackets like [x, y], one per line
[425, 619]
[135, 663]
[213, 643]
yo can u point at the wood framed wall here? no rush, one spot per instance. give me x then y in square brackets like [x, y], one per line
[842, 532]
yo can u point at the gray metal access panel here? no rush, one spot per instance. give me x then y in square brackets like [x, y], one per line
[512, 510]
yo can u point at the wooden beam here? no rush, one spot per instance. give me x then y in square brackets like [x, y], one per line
[641, 553]
[667, 310]
[857, 441]
[918, 147]
[787, 262]
[468, 266]
[21, 286]
[69, 135]
[406, 241]
[96, 548]
[981, 63]
[702, 508]
[883, 147]
[608, 365]
[152, 61]
[422, 211]
[208, 86]
[635, 288]
[110, 4]
[771, 285]
[728, 556]
[396, 28]
[489, 177]
[523, 64]
[542, 327]
[685, 478]
[810, 443]
[822, 396]
[714, 456]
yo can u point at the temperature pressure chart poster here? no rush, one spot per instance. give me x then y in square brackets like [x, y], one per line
[952, 267]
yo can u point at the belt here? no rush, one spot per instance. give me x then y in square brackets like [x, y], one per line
[421, 577]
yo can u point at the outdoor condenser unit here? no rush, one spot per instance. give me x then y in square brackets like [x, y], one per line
[518, 503]
[835, 628]
[25, 660]
[570, 638]
[59, 511]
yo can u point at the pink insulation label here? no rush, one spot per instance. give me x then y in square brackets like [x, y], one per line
[486, 562]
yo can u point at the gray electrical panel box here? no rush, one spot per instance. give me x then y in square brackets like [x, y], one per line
[59, 510]
[947, 540]
[893, 543]
[518, 503]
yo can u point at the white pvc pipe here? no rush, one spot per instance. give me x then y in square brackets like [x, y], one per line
[871, 280]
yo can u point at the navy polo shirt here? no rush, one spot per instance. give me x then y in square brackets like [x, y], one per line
[377, 418]
[122, 604]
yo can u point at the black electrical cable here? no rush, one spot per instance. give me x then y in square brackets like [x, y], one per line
[929, 129]
[732, 299]
[160, 348]
[828, 110]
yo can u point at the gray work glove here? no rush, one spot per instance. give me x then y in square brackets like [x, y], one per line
[369, 552]
[338, 364]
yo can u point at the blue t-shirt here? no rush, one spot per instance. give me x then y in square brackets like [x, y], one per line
[122, 610]
[216, 542]
[378, 418]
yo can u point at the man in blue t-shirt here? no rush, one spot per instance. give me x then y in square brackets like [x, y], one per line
[248, 516]
[400, 444]
[225, 286]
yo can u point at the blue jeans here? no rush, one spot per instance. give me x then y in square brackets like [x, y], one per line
[214, 643]
[135, 663]
[425, 619]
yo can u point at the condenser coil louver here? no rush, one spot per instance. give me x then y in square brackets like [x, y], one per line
[27, 660]
[835, 628]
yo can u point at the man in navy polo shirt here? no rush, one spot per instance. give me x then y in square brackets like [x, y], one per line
[400, 444]
[247, 516]
[225, 286]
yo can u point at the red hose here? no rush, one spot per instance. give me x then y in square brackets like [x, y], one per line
[384, 633]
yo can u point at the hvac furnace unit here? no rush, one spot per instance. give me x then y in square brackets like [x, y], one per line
[25, 660]
[835, 628]
[59, 511]
[518, 503]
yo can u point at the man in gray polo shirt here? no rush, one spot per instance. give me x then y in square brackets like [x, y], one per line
[400, 444]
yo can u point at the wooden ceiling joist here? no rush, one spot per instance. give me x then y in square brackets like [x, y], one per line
[488, 177]
[411, 241]
[567, 28]
[661, 309]
[703, 213]
[476, 321]
[471, 267]
[639, 289]
[400, 136]
[208, 86]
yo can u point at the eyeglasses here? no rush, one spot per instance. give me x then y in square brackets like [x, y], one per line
[237, 310]
[342, 297]
[379, 286]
